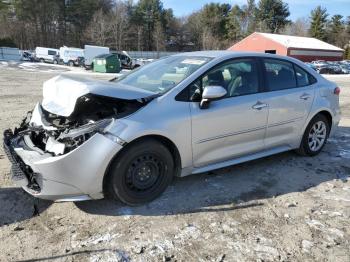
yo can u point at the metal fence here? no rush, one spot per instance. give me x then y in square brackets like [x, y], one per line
[7, 53]
[149, 54]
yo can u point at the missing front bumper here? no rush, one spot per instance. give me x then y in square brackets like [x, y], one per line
[75, 176]
[22, 174]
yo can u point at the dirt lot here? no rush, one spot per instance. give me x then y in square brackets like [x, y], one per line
[281, 208]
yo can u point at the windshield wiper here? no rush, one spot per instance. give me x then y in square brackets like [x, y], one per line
[113, 79]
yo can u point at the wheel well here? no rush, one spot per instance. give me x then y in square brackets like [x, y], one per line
[165, 141]
[329, 118]
[169, 145]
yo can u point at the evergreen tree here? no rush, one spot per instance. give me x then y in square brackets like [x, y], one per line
[273, 15]
[318, 23]
[214, 17]
[347, 52]
[337, 31]
[233, 25]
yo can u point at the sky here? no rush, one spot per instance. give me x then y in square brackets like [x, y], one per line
[297, 8]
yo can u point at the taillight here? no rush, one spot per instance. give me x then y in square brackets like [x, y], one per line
[337, 91]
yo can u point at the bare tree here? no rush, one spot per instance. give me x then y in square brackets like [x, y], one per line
[159, 37]
[119, 24]
[139, 38]
[298, 28]
[98, 29]
[209, 41]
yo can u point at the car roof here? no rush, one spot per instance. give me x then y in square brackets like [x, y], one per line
[231, 54]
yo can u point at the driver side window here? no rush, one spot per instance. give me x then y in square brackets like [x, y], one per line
[238, 77]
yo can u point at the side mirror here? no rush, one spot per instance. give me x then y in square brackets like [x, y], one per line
[211, 93]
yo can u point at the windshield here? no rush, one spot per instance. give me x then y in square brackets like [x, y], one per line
[164, 74]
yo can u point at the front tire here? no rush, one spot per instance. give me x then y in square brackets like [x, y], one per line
[315, 136]
[140, 173]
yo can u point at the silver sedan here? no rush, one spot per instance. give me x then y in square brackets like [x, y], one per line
[181, 115]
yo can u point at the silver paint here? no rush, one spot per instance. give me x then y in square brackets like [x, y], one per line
[232, 130]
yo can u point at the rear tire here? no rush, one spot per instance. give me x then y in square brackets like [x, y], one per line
[315, 136]
[140, 173]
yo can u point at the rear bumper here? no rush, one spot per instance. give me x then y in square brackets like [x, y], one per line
[75, 176]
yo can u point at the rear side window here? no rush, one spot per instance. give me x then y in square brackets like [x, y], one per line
[279, 75]
[303, 77]
[312, 79]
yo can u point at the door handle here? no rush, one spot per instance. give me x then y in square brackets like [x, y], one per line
[305, 96]
[259, 106]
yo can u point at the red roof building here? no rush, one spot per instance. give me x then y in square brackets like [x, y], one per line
[303, 48]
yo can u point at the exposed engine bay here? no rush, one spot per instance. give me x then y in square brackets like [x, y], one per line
[51, 133]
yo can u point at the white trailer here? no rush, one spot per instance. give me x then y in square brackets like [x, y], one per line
[90, 52]
[69, 55]
[49, 55]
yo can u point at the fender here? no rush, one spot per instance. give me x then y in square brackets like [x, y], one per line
[313, 114]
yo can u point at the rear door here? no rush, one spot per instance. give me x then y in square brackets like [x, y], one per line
[290, 94]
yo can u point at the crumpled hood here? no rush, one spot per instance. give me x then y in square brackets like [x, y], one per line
[61, 92]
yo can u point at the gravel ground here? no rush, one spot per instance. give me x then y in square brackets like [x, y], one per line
[280, 208]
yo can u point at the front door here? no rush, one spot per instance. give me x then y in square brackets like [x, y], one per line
[235, 125]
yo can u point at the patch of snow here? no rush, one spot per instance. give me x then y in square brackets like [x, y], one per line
[94, 240]
[188, 232]
[306, 245]
[267, 250]
[337, 198]
[331, 213]
[162, 247]
[315, 224]
[110, 256]
[336, 232]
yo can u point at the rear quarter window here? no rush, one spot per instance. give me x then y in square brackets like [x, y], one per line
[303, 77]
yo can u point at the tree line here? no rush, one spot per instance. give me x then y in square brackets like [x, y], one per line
[147, 25]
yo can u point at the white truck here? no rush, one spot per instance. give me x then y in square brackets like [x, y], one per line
[70, 55]
[90, 52]
[48, 55]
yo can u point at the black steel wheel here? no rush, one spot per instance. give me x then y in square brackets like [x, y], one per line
[140, 173]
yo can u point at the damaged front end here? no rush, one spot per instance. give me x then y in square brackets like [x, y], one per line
[56, 150]
[58, 135]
